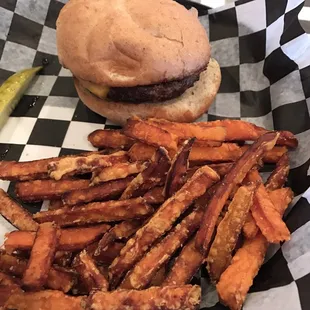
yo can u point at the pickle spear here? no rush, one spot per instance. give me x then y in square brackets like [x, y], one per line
[12, 90]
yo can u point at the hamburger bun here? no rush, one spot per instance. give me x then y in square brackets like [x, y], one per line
[131, 57]
[194, 102]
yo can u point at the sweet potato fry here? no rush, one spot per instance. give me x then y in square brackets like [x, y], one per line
[220, 168]
[228, 232]
[30, 170]
[203, 143]
[272, 156]
[108, 138]
[229, 182]
[96, 212]
[71, 239]
[72, 165]
[238, 130]
[8, 286]
[250, 229]
[44, 300]
[186, 297]
[15, 213]
[55, 204]
[236, 280]
[155, 195]
[154, 175]
[41, 256]
[149, 134]
[89, 273]
[56, 279]
[120, 231]
[223, 153]
[63, 258]
[23, 171]
[143, 272]
[117, 171]
[101, 192]
[161, 222]
[278, 177]
[39, 190]
[267, 218]
[107, 255]
[177, 172]
[281, 198]
[141, 152]
[185, 265]
[159, 277]
[190, 130]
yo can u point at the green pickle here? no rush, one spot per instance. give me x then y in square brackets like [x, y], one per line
[12, 90]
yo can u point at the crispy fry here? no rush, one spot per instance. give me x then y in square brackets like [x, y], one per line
[149, 134]
[143, 272]
[281, 198]
[108, 138]
[229, 182]
[155, 195]
[39, 190]
[44, 300]
[228, 232]
[159, 277]
[89, 273]
[185, 265]
[153, 175]
[30, 170]
[55, 204]
[71, 239]
[96, 212]
[203, 143]
[63, 258]
[23, 171]
[278, 177]
[250, 229]
[141, 152]
[101, 192]
[220, 168]
[177, 172]
[15, 213]
[161, 222]
[190, 130]
[186, 297]
[272, 156]
[117, 171]
[106, 255]
[267, 218]
[238, 130]
[57, 280]
[120, 231]
[41, 256]
[238, 277]
[225, 152]
[8, 286]
[236, 280]
[72, 165]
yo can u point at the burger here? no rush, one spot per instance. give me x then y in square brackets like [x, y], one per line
[149, 58]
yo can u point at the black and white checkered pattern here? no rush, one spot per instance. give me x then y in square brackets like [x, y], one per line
[265, 62]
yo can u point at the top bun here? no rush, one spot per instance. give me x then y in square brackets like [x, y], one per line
[124, 43]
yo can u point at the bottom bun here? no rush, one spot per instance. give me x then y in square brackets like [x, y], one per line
[186, 108]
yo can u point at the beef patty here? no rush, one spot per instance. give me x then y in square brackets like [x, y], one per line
[154, 92]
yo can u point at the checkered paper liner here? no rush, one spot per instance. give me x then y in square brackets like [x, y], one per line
[265, 63]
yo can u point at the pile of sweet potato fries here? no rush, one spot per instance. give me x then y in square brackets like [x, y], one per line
[129, 225]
